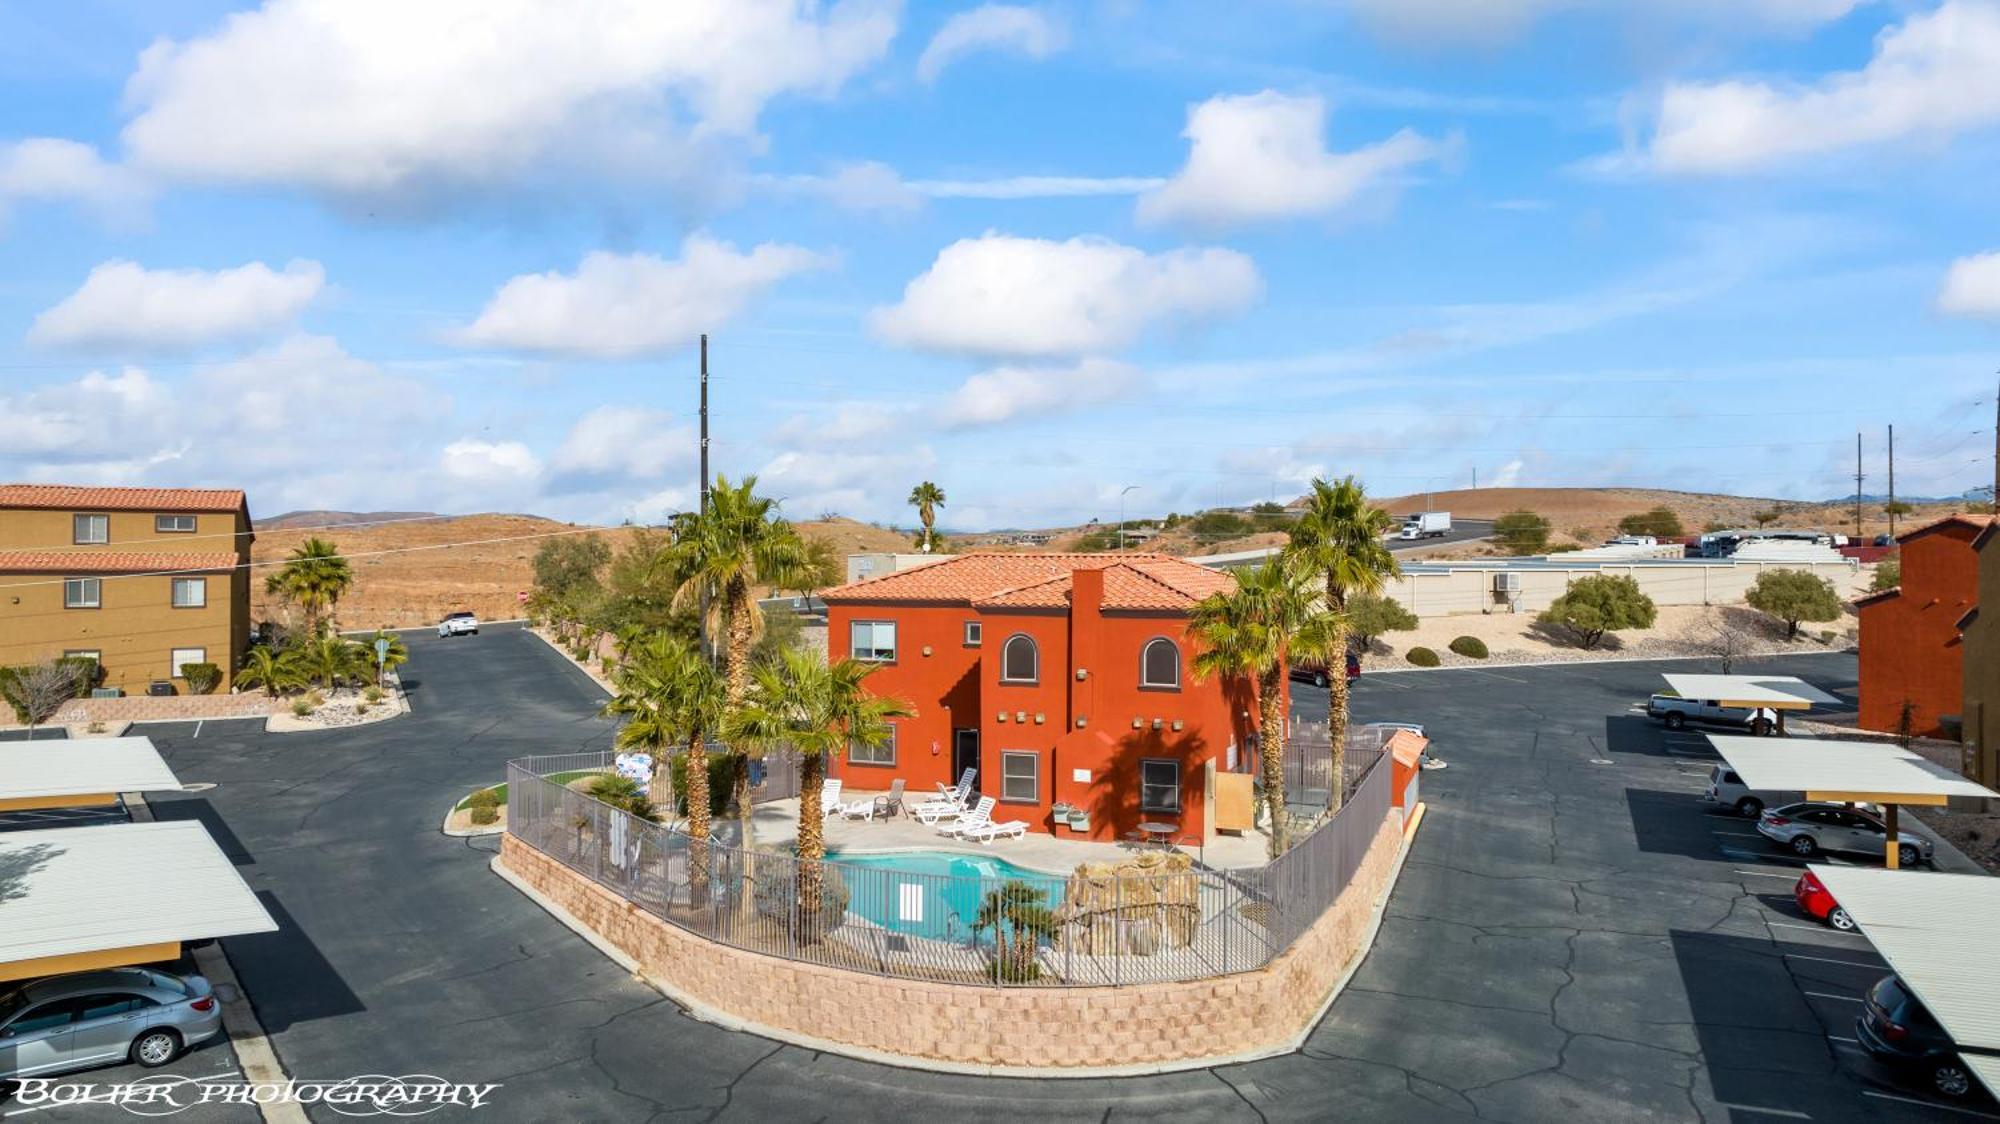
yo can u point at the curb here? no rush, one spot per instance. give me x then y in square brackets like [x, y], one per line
[1530, 666]
[705, 1013]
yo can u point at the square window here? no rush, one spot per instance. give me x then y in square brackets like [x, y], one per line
[973, 632]
[884, 754]
[1020, 777]
[183, 656]
[874, 641]
[1159, 786]
[91, 654]
[83, 593]
[190, 593]
[91, 530]
[173, 524]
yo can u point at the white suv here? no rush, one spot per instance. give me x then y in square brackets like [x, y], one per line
[1677, 712]
[460, 623]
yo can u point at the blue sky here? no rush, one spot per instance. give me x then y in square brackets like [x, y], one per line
[453, 256]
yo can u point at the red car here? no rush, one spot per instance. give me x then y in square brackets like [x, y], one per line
[1813, 897]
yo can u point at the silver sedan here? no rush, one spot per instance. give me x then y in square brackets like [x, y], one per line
[1812, 826]
[86, 1019]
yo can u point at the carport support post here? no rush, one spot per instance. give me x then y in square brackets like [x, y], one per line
[1890, 858]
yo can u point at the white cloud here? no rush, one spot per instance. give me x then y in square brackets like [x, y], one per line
[864, 186]
[1006, 393]
[992, 27]
[52, 169]
[1029, 297]
[622, 305]
[1261, 157]
[124, 304]
[1932, 77]
[625, 441]
[1490, 23]
[370, 98]
[490, 462]
[1972, 286]
[1036, 187]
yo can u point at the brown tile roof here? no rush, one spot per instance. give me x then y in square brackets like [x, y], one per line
[111, 561]
[1134, 582]
[119, 499]
[1977, 525]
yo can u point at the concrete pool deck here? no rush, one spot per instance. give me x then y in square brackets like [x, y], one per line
[776, 825]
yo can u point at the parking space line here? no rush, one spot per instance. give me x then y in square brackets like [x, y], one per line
[1766, 873]
[1814, 928]
[1495, 674]
[1736, 834]
[1786, 1112]
[1929, 1104]
[1830, 960]
[1830, 995]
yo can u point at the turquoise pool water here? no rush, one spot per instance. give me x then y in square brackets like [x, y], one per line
[934, 894]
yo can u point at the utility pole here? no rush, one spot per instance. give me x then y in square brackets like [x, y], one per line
[1857, 489]
[1891, 506]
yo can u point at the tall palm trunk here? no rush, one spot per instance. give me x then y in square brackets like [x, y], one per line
[811, 845]
[1271, 747]
[697, 802]
[1336, 695]
[736, 672]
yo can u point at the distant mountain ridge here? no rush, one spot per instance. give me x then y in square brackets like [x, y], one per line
[295, 519]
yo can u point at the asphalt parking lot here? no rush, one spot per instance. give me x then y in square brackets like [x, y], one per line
[1573, 936]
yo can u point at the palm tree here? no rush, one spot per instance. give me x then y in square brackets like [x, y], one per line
[273, 669]
[1018, 913]
[721, 555]
[313, 577]
[394, 656]
[329, 659]
[1339, 539]
[1272, 615]
[817, 708]
[927, 498]
[669, 695]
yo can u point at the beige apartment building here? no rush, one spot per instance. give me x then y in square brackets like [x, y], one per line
[143, 580]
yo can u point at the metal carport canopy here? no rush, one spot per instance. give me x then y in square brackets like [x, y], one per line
[76, 897]
[1842, 771]
[41, 771]
[1778, 692]
[1936, 932]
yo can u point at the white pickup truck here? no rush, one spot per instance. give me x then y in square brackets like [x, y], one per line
[1677, 712]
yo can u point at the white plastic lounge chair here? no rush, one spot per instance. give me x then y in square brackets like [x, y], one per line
[953, 796]
[989, 831]
[868, 807]
[937, 812]
[980, 815]
[829, 799]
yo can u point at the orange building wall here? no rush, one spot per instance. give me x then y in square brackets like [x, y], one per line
[1910, 645]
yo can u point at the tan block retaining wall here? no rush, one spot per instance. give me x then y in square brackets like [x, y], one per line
[1142, 1027]
[149, 708]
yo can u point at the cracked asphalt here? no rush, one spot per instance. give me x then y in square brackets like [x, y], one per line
[1573, 935]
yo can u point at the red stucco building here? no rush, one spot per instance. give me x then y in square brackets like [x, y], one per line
[1063, 678]
[1910, 643]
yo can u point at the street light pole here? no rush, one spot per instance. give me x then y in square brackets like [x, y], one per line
[1121, 515]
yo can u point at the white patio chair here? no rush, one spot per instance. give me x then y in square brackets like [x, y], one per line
[980, 815]
[989, 831]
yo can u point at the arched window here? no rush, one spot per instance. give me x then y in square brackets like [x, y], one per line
[1020, 660]
[1160, 664]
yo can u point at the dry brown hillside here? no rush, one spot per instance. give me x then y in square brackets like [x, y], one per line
[1592, 514]
[412, 573]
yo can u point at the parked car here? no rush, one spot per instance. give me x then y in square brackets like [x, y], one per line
[1895, 1027]
[1812, 826]
[1677, 712]
[1813, 897]
[1728, 789]
[1314, 671]
[86, 1019]
[459, 624]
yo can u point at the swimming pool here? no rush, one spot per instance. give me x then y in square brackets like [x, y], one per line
[934, 894]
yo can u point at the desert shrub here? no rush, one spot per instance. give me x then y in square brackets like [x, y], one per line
[484, 806]
[1471, 647]
[721, 775]
[1888, 575]
[1369, 615]
[1423, 657]
[1596, 605]
[1221, 525]
[1661, 522]
[485, 814]
[303, 707]
[1792, 596]
[1521, 532]
[371, 695]
[778, 886]
[37, 691]
[201, 677]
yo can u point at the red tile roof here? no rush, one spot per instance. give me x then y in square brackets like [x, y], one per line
[1977, 525]
[111, 561]
[1133, 582]
[119, 499]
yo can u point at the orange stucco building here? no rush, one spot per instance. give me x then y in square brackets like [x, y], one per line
[1062, 678]
[1911, 649]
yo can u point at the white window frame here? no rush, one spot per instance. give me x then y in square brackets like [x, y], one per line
[1007, 780]
[975, 633]
[200, 587]
[175, 662]
[1166, 762]
[884, 754]
[873, 650]
[1145, 651]
[94, 655]
[74, 596]
[172, 524]
[1035, 652]
[94, 520]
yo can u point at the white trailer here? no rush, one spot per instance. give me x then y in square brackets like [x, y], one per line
[1426, 525]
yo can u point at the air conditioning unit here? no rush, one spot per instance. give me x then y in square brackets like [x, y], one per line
[160, 687]
[1506, 583]
[107, 692]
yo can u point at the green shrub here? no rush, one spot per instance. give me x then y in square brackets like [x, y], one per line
[303, 707]
[201, 677]
[1521, 532]
[1660, 522]
[1888, 575]
[1369, 615]
[777, 892]
[1471, 647]
[1596, 605]
[484, 814]
[721, 775]
[371, 695]
[1792, 596]
[488, 797]
[1423, 657]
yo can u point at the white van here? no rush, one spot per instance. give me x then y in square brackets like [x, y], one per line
[1727, 789]
[1677, 712]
